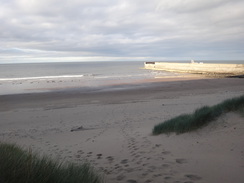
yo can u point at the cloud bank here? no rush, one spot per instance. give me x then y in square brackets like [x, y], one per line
[82, 30]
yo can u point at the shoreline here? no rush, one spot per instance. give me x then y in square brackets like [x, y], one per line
[27, 86]
[117, 137]
[146, 88]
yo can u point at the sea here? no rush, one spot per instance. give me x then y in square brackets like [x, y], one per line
[80, 76]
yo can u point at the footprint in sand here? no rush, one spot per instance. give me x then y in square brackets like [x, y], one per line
[124, 161]
[120, 177]
[193, 177]
[131, 181]
[167, 178]
[99, 156]
[180, 161]
[157, 175]
[144, 174]
[116, 166]
[128, 170]
[165, 165]
[89, 154]
[78, 156]
[166, 152]
[80, 152]
[110, 158]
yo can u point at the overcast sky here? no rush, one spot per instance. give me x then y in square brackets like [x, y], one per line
[91, 30]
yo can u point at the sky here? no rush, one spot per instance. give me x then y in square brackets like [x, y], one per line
[123, 30]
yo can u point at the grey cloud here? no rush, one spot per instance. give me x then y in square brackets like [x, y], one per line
[110, 28]
[190, 6]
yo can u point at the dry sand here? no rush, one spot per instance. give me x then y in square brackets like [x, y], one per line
[116, 131]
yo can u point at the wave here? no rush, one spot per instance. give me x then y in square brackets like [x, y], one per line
[91, 76]
[42, 77]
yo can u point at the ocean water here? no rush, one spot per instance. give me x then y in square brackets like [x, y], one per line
[43, 77]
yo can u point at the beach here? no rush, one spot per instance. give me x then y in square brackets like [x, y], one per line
[112, 129]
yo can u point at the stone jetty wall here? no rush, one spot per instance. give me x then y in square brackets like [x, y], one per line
[198, 68]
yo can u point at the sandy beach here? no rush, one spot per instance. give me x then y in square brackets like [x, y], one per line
[112, 129]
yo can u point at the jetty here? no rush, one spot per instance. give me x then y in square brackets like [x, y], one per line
[215, 69]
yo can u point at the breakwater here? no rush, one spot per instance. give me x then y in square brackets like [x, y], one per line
[198, 68]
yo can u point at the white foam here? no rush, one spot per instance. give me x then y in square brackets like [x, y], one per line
[41, 77]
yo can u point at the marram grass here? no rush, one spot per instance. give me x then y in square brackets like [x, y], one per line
[201, 117]
[19, 166]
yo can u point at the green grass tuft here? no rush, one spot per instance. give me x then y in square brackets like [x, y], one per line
[17, 165]
[201, 117]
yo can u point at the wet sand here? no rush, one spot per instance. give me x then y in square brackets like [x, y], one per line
[111, 129]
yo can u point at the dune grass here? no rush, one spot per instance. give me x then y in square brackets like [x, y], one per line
[19, 166]
[201, 117]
